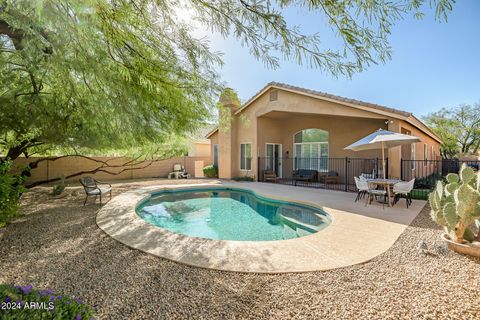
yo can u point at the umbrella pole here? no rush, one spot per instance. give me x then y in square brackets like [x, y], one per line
[383, 161]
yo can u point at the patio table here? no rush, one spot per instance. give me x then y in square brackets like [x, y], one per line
[387, 184]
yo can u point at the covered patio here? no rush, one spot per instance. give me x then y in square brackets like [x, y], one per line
[290, 141]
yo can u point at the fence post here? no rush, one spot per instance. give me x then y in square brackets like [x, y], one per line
[258, 168]
[401, 169]
[346, 174]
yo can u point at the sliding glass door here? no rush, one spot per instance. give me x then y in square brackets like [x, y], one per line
[273, 158]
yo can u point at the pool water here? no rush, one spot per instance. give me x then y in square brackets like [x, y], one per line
[230, 214]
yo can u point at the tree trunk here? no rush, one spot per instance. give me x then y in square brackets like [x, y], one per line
[15, 152]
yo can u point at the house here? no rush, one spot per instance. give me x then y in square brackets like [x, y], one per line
[284, 128]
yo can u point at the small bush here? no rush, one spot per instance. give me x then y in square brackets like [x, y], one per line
[59, 188]
[244, 178]
[11, 188]
[17, 302]
[428, 182]
[210, 171]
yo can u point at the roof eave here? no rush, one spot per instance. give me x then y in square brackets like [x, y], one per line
[211, 133]
[397, 114]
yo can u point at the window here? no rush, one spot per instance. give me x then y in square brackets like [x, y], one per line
[245, 156]
[311, 149]
[432, 154]
[425, 150]
[215, 155]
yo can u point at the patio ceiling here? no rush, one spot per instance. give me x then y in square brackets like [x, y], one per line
[282, 115]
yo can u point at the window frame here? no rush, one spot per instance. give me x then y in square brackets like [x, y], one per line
[244, 156]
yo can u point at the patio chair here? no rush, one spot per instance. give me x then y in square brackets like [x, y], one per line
[269, 175]
[178, 172]
[375, 193]
[368, 175]
[403, 189]
[362, 186]
[93, 187]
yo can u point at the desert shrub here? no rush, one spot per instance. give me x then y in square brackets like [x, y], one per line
[17, 302]
[210, 171]
[11, 188]
[428, 182]
[60, 187]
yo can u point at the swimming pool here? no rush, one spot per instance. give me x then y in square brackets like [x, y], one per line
[230, 214]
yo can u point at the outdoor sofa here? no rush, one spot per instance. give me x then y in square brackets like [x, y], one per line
[304, 175]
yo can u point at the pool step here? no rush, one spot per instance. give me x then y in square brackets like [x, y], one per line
[299, 220]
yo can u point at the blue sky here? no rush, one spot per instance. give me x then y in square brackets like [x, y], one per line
[433, 65]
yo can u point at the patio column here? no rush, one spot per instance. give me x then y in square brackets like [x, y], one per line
[227, 150]
[394, 154]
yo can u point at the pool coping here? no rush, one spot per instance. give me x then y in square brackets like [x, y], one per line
[349, 239]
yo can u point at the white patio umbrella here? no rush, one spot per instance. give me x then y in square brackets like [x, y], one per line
[382, 139]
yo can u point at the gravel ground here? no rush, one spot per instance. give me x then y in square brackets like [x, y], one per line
[58, 245]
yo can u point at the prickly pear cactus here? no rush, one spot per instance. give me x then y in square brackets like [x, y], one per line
[456, 204]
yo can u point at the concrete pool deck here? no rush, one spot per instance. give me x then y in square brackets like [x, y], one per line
[356, 234]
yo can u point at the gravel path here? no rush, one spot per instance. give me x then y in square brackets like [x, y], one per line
[58, 245]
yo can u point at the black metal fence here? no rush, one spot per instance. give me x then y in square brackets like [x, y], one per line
[329, 173]
[428, 172]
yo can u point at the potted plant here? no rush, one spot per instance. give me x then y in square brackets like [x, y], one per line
[456, 206]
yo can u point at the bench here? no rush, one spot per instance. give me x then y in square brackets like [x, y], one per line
[304, 175]
[330, 177]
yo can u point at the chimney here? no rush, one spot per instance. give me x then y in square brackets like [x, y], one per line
[228, 104]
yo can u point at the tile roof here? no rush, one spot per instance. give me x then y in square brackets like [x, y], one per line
[408, 115]
[327, 95]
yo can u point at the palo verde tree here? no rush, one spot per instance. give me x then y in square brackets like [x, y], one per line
[459, 128]
[83, 75]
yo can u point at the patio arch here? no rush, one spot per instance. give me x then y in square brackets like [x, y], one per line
[310, 147]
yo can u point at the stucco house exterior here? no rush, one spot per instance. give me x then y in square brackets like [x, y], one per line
[284, 127]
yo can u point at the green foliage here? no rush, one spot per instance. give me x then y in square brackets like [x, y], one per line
[210, 171]
[452, 178]
[459, 129]
[244, 178]
[456, 205]
[24, 302]
[428, 182]
[362, 26]
[59, 188]
[96, 75]
[11, 188]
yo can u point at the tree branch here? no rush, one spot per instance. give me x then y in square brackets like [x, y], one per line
[104, 167]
